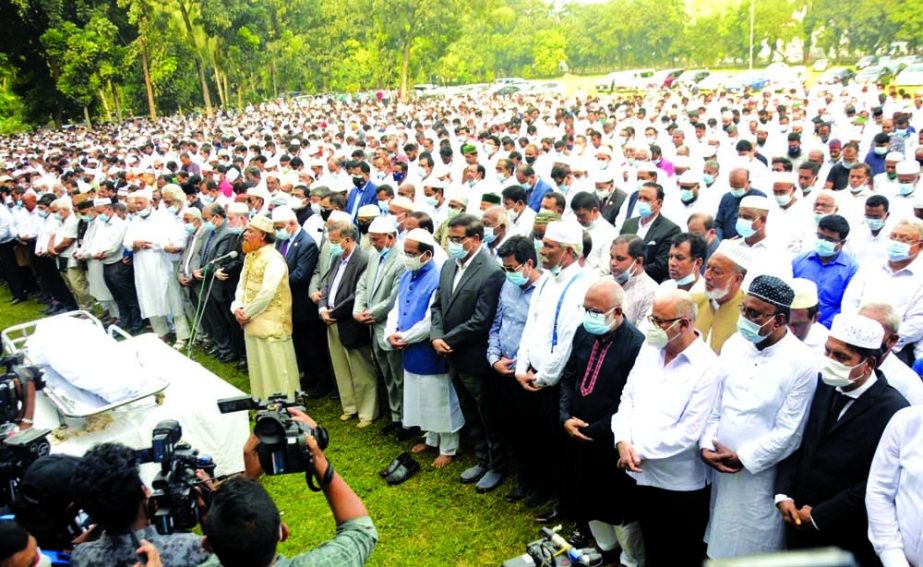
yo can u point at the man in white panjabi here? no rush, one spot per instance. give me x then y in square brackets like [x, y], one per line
[154, 238]
[767, 378]
[263, 307]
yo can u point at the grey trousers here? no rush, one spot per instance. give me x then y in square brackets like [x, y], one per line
[390, 365]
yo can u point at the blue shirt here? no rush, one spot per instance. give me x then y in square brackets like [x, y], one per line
[509, 322]
[360, 196]
[831, 279]
[538, 193]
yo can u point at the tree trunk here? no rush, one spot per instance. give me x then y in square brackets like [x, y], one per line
[200, 64]
[221, 97]
[86, 117]
[405, 72]
[116, 102]
[148, 85]
[102, 97]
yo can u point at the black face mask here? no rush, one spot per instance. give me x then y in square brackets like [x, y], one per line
[364, 227]
[530, 160]
[358, 182]
[325, 214]
[794, 152]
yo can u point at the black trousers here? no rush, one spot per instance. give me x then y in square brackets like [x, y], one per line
[11, 271]
[522, 419]
[216, 325]
[673, 526]
[120, 279]
[47, 268]
[312, 352]
[230, 329]
[478, 399]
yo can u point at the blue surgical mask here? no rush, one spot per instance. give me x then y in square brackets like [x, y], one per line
[236, 229]
[144, 213]
[686, 195]
[783, 200]
[457, 251]
[336, 249]
[383, 205]
[750, 330]
[189, 227]
[824, 248]
[708, 178]
[818, 216]
[516, 278]
[282, 234]
[644, 209]
[686, 280]
[875, 224]
[538, 244]
[898, 251]
[745, 228]
[58, 217]
[596, 323]
[206, 199]
[880, 150]
[905, 188]
[103, 218]
[43, 214]
[738, 193]
[86, 218]
[432, 202]
[208, 226]
[489, 235]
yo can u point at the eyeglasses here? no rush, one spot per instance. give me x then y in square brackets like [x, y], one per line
[658, 322]
[828, 238]
[753, 314]
[598, 312]
[458, 239]
[511, 270]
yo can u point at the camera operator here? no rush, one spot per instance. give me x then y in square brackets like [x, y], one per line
[18, 548]
[108, 486]
[45, 504]
[243, 526]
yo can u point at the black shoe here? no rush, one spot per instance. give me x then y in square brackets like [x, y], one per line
[517, 493]
[226, 357]
[17, 300]
[536, 499]
[335, 395]
[403, 434]
[549, 517]
[242, 364]
[53, 308]
[317, 392]
[56, 310]
[398, 461]
[403, 472]
[578, 538]
[390, 428]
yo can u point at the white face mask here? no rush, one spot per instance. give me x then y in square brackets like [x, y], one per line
[836, 374]
[412, 263]
[657, 337]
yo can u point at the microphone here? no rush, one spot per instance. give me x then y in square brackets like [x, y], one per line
[229, 256]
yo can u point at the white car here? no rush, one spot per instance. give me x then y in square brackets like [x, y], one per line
[912, 76]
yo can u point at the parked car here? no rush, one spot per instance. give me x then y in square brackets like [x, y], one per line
[719, 80]
[841, 75]
[911, 77]
[665, 78]
[547, 88]
[874, 74]
[690, 77]
[634, 79]
[508, 81]
[867, 61]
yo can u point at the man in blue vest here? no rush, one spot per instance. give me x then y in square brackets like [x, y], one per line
[430, 400]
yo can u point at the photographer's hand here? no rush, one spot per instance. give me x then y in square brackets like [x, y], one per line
[153, 556]
[252, 468]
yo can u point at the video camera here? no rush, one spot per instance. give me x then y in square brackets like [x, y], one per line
[554, 551]
[18, 449]
[282, 449]
[172, 505]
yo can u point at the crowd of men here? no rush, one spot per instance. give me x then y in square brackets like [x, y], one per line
[684, 319]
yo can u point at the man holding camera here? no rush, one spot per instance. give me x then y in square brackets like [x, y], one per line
[243, 526]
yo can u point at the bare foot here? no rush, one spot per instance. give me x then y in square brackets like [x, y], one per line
[442, 461]
[421, 448]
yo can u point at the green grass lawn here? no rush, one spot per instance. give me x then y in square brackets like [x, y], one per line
[431, 519]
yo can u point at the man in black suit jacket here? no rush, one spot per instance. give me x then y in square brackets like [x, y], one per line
[611, 203]
[349, 341]
[223, 328]
[820, 489]
[659, 230]
[462, 313]
[300, 253]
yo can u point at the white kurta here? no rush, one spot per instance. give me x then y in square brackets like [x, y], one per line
[760, 414]
[158, 292]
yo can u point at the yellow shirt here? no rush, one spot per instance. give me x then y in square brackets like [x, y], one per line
[716, 325]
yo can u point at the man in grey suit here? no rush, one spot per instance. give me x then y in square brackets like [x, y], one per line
[462, 313]
[190, 261]
[375, 295]
[349, 341]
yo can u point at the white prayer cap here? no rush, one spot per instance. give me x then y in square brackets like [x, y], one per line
[422, 236]
[857, 330]
[647, 166]
[143, 193]
[805, 293]
[757, 202]
[690, 177]
[604, 150]
[102, 202]
[368, 211]
[894, 156]
[908, 167]
[402, 202]
[172, 191]
[258, 192]
[238, 208]
[783, 178]
[736, 253]
[682, 161]
[434, 182]
[283, 214]
[567, 233]
[383, 225]
[339, 216]
[709, 150]
[603, 176]
[457, 196]
[192, 211]
[232, 175]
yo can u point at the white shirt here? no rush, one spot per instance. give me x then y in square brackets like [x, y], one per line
[536, 348]
[523, 224]
[460, 269]
[817, 339]
[663, 412]
[894, 493]
[866, 247]
[766, 258]
[602, 234]
[697, 287]
[903, 379]
[903, 290]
